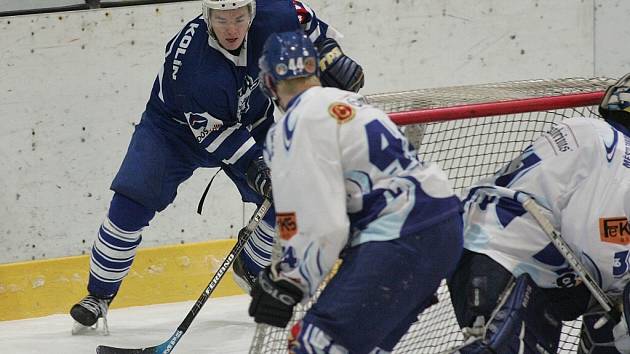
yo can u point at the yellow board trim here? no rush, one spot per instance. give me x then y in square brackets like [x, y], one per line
[158, 275]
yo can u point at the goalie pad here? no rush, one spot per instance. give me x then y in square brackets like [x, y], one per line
[521, 323]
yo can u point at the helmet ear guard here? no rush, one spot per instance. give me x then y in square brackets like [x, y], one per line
[615, 106]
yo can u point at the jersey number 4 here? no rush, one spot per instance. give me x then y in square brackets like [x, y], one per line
[386, 147]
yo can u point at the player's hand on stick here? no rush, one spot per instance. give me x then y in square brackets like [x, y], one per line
[337, 69]
[259, 177]
[273, 300]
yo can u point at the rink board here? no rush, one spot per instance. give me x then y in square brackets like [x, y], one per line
[158, 275]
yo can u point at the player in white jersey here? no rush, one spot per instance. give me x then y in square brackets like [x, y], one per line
[347, 184]
[579, 172]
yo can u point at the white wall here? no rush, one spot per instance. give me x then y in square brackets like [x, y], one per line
[73, 84]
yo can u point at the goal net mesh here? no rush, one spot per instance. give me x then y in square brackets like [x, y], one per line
[470, 132]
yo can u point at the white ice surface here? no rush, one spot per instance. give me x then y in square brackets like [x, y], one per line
[222, 326]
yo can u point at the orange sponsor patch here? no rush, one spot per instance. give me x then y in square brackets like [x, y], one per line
[342, 112]
[614, 230]
[287, 225]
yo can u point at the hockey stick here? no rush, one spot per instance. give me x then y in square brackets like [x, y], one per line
[554, 235]
[168, 346]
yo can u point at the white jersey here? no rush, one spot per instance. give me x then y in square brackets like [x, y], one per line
[580, 172]
[343, 174]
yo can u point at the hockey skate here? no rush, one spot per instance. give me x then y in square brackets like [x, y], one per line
[90, 315]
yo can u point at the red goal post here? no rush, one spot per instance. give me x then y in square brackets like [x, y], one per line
[470, 132]
[487, 109]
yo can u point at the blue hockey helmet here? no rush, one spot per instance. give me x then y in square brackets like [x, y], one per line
[615, 106]
[286, 55]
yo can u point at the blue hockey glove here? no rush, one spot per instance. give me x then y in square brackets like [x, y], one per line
[273, 300]
[337, 69]
[259, 177]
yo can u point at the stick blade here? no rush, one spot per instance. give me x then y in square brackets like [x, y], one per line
[104, 349]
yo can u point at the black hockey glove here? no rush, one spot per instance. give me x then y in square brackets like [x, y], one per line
[273, 300]
[337, 69]
[259, 177]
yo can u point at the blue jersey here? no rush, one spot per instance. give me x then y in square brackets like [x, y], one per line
[215, 93]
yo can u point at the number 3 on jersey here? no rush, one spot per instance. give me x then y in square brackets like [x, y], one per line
[386, 146]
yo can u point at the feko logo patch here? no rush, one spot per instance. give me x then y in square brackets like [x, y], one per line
[287, 225]
[614, 230]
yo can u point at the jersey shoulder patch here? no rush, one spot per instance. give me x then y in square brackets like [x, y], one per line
[562, 138]
[341, 112]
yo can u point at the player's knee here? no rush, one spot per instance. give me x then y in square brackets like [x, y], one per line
[128, 214]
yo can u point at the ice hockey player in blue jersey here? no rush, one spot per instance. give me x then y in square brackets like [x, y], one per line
[347, 184]
[579, 172]
[205, 110]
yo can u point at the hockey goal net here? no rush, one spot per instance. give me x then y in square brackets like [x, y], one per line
[470, 131]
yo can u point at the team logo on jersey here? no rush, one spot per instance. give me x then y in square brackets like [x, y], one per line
[287, 225]
[614, 230]
[197, 122]
[342, 112]
[243, 95]
[202, 124]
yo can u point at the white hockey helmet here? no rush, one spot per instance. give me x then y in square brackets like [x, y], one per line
[209, 5]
